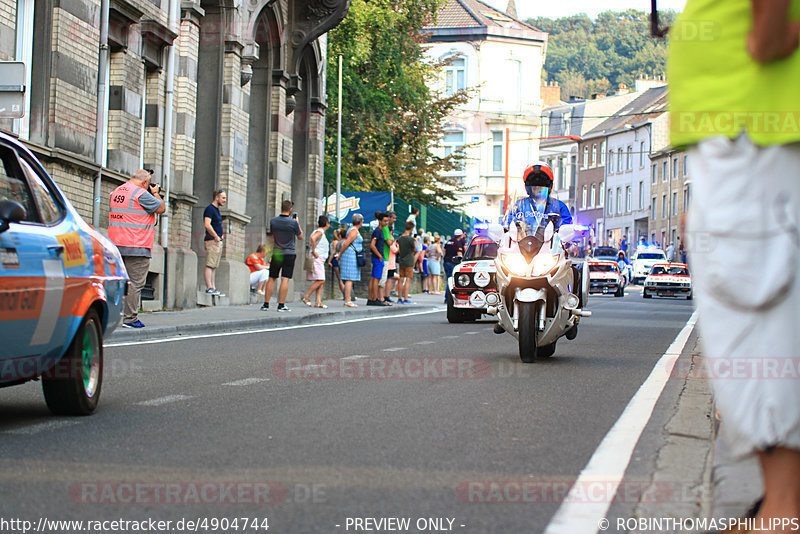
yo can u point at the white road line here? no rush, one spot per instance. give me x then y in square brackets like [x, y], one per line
[576, 515]
[245, 382]
[263, 330]
[41, 427]
[164, 400]
[471, 333]
[394, 349]
[306, 367]
[425, 343]
[450, 337]
[356, 357]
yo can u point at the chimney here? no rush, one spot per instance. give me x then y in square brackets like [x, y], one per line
[550, 93]
[511, 10]
[623, 89]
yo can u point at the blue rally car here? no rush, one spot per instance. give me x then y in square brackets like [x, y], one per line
[62, 287]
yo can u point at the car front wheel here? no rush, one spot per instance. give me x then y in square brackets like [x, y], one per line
[72, 386]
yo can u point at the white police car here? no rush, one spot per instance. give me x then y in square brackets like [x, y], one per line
[643, 260]
[473, 286]
[62, 287]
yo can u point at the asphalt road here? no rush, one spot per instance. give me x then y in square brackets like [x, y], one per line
[407, 417]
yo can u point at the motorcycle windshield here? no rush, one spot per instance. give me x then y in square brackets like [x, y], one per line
[528, 216]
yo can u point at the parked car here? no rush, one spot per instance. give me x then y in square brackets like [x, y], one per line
[643, 260]
[668, 280]
[605, 278]
[473, 286]
[62, 287]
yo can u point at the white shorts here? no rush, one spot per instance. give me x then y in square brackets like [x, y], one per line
[744, 258]
[384, 274]
[258, 276]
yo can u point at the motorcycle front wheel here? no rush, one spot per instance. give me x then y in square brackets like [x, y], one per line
[527, 331]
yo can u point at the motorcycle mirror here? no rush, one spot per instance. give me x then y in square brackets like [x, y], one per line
[567, 233]
[495, 232]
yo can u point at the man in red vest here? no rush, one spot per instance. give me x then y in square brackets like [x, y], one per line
[131, 226]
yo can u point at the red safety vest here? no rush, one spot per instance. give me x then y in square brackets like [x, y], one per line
[129, 225]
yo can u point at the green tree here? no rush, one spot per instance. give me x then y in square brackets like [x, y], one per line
[587, 56]
[391, 118]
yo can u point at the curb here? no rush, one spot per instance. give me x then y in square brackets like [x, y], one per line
[123, 335]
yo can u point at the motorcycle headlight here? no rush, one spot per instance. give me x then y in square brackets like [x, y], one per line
[515, 263]
[543, 263]
[462, 280]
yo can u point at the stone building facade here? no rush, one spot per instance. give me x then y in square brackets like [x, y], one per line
[210, 94]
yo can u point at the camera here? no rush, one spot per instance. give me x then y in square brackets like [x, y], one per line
[294, 216]
[154, 188]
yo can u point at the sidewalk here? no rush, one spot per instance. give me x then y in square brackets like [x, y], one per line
[220, 319]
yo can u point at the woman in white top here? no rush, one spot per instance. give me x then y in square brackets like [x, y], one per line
[319, 253]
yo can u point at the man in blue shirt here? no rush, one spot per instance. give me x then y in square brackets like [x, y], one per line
[377, 247]
[212, 222]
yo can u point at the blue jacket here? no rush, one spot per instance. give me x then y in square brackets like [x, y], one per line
[523, 209]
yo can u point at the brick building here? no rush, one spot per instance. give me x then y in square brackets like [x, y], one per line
[239, 85]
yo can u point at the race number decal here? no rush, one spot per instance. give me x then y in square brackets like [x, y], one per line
[74, 254]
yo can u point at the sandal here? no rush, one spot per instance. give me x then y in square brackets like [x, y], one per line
[320, 305]
[306, 301]
[350, 304]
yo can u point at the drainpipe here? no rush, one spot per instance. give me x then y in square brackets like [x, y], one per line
[166, 163]
[102, 112]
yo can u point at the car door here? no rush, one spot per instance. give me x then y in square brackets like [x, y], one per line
[32, 271]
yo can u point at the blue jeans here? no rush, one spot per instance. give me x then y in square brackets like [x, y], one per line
[448, 272]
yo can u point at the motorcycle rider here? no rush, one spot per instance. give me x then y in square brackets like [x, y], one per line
[538, 179]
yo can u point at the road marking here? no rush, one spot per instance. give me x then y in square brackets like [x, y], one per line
[356, 357]
[41, 427]
[164, 400]
[264, 330]
[471, 333]
[306, 367]
[609, 462]
[245, 382]
[394, 349]
[450, 337]
[425, 343]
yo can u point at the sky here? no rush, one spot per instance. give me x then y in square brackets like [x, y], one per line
[555, 9]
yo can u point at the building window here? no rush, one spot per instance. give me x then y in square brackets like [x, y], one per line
[594, 157]
[593, 196]
[497, 151]
[455, 76]
[583, 197]
[629, 159]
[654, 173]
[585, 157]
[674, 202]
[664, 206]
[600, 195]
[619, 160]
[602, 153]
[685, 166]
[619, 200]
[641, 195]
[610, 201]
[453, 142]
[610, 166]
[627, 198]
[686, 199]
[664, 172]
[653, 209]
[674, 168]
[641, 154]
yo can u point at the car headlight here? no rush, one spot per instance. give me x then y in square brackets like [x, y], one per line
[462, 280]
[543, 263]
[515, 263]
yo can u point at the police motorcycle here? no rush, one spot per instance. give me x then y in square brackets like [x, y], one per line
[542, 293]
